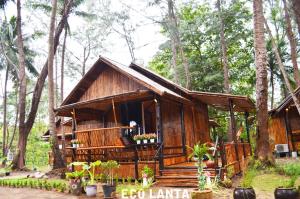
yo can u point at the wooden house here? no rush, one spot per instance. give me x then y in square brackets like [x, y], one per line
[284, 124]
[111, 97]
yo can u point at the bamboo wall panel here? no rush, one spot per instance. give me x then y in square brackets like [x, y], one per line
[90, 124]
[277, 131]
[171, 123]
[110, 82]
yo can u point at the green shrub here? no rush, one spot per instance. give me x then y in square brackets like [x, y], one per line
[291, 169]
[248, 178]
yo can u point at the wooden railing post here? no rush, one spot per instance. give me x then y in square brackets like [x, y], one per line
[182, 129]
[89, 145]
[248, 130]
[159, 130]
[233, 131]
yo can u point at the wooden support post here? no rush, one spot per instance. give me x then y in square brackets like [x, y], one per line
[248, 130]
[287, 128]
[233, 131]
[159, 130]
[183, 138]
[74, 128]
[143, 118]
[114, 110]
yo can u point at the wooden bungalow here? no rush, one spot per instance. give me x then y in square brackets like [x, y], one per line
[284, 125]
[111, 97]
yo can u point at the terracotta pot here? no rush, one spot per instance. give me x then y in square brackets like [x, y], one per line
[205, 194]
[244, 193]
[286, 193]
[210, 164]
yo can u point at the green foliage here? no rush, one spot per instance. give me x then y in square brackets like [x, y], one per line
[89, 168]
[198, 151]
[75, 174]
[248, 178]
[148, 171]
[227, 183]
[46, 184]
[109, 168]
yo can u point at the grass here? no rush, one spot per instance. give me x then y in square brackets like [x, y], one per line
[268, 182]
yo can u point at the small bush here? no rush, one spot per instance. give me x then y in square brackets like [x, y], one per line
[227, 183]
[248, 178]
[49, 185]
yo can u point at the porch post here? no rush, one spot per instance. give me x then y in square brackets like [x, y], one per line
[233, 131]
[182, 129]
[248, 130]
[159, 131]
[287, 127]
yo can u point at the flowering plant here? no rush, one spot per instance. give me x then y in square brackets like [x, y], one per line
[138, 137]
[151, 136]
[74, 141]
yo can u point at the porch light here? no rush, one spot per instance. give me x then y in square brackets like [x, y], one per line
[155, 100]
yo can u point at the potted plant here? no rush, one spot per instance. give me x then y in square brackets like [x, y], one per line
[137, 138]
[75, 179]
[145, 138]
[152, 137]
[245, 191]
[287, 191]
[75, 143]
[147, 175]
[91, 187]
[203, 192]
[110, 186]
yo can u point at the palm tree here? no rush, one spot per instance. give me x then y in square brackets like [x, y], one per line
[263, 149]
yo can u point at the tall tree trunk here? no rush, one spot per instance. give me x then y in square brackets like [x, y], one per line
[224, 50]
[62, 68]
[177, 45]
[262, 144]
[272, 85]
[280, 64]
[58, 161]
[22, 92]
[292, 40]
[16, 121]
[4, 143]
[296, 9]
[38, 89]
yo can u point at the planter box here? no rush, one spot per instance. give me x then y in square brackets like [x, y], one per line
[205, 194]
[152, 140]
[138, 142]
[145, 141]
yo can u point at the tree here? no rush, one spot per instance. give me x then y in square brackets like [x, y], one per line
[281, 66]
[293, 44]
[224, 50]
[177, 45]
[22, 90]
[296, 8]
[19, 159]
[262, 141]
[58, 161]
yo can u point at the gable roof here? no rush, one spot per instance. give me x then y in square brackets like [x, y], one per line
[286, 102]
[159, 85]
[97, 68]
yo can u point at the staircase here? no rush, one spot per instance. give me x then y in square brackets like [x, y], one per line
[180, 176]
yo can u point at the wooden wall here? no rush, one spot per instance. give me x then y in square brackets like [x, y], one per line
[196, 124]
[110, 82]
[171, 123]
[277, 131]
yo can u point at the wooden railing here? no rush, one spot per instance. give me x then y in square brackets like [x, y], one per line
[237, 155]
[100, 137]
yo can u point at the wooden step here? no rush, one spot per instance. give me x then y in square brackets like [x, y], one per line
[177, 181]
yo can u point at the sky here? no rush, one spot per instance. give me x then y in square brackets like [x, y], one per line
[147, 36]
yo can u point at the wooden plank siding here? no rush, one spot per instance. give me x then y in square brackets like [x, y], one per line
[110, 82]
[277, 131]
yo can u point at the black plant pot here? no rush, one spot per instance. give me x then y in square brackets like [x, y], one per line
[7, 173]
[244, 193]
[108, 190]
[286, 193]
